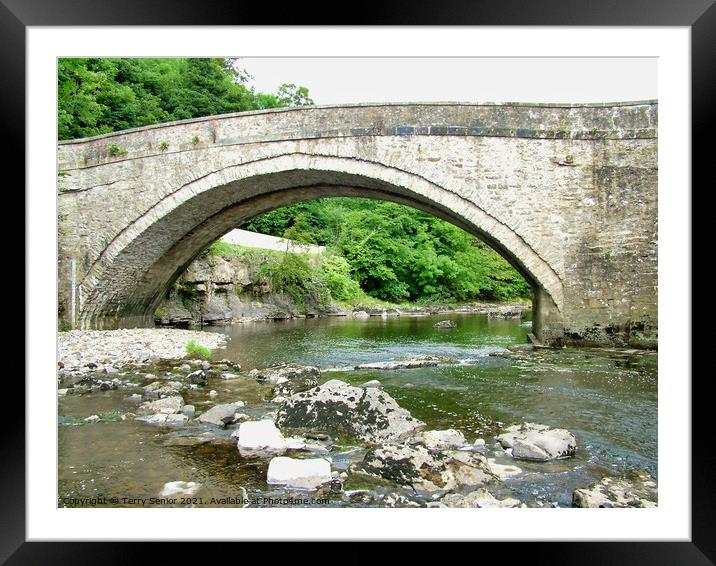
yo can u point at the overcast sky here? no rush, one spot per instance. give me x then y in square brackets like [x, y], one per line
[345, 80]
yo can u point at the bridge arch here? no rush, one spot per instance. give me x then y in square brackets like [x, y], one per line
[123, 287]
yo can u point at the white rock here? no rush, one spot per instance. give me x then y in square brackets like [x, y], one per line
[229, 375]
[92, 419]
[529, 441]
[260, 438]
[372, 383]
[299, 474]
[62, 392]
[179, 488]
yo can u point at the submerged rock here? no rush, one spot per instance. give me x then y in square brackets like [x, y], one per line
[220, 415]
[445, 324]
[530, 441]
[478, 498]
[428, 470]
[308, 473]
[635, 489]
[260, 438]
[167, 406]
[401, 364]
[336, 407]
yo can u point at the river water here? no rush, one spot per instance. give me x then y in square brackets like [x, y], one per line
[606, 397]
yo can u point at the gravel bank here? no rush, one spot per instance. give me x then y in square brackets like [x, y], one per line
[77, 348]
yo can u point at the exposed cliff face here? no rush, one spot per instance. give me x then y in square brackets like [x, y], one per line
[219, 290]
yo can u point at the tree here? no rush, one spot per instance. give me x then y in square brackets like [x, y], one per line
[97, 96]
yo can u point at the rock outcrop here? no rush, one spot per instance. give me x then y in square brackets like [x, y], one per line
[335, 407]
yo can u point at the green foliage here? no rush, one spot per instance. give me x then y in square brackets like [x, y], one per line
[295, 277]
[195, 140]
[197, 350]
[163, 145]
[336, 273]
[115, 150]
[397, 253]
[101, 95]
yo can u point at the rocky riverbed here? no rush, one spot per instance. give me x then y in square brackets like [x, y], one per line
[87, 350]
[303, 434]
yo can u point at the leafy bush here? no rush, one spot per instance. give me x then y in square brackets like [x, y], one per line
[296, 278]
[337, 276]
[197, 350]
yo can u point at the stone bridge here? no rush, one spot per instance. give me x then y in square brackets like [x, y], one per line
[566, 193]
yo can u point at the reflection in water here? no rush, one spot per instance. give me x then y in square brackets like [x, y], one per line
[607, 398]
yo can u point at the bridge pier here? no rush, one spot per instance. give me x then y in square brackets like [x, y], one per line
[547, 320]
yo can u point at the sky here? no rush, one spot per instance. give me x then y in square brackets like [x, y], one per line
[469, 79]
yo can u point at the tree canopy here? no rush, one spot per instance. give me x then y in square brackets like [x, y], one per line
[101, 95]
[398, 253]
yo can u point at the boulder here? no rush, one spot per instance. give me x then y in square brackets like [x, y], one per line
[260, 438]
[166, 406]
[478, 498]
[288, 379]
[188, 410]
[428, 470]
[293, 473]
[530, 441]
[441, 439]
[445, 324]
[635, 489]
[360, 314]
[219, 415]
[336, 407]
[279, 372]
[371, 383]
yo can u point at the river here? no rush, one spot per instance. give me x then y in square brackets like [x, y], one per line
[606, 397]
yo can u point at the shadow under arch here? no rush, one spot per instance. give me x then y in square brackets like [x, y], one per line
[124, 286]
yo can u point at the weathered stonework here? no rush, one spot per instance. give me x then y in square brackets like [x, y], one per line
[567, 193]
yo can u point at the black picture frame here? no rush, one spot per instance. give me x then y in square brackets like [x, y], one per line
[700, 15]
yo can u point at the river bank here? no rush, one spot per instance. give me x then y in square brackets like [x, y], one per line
[218, 290]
